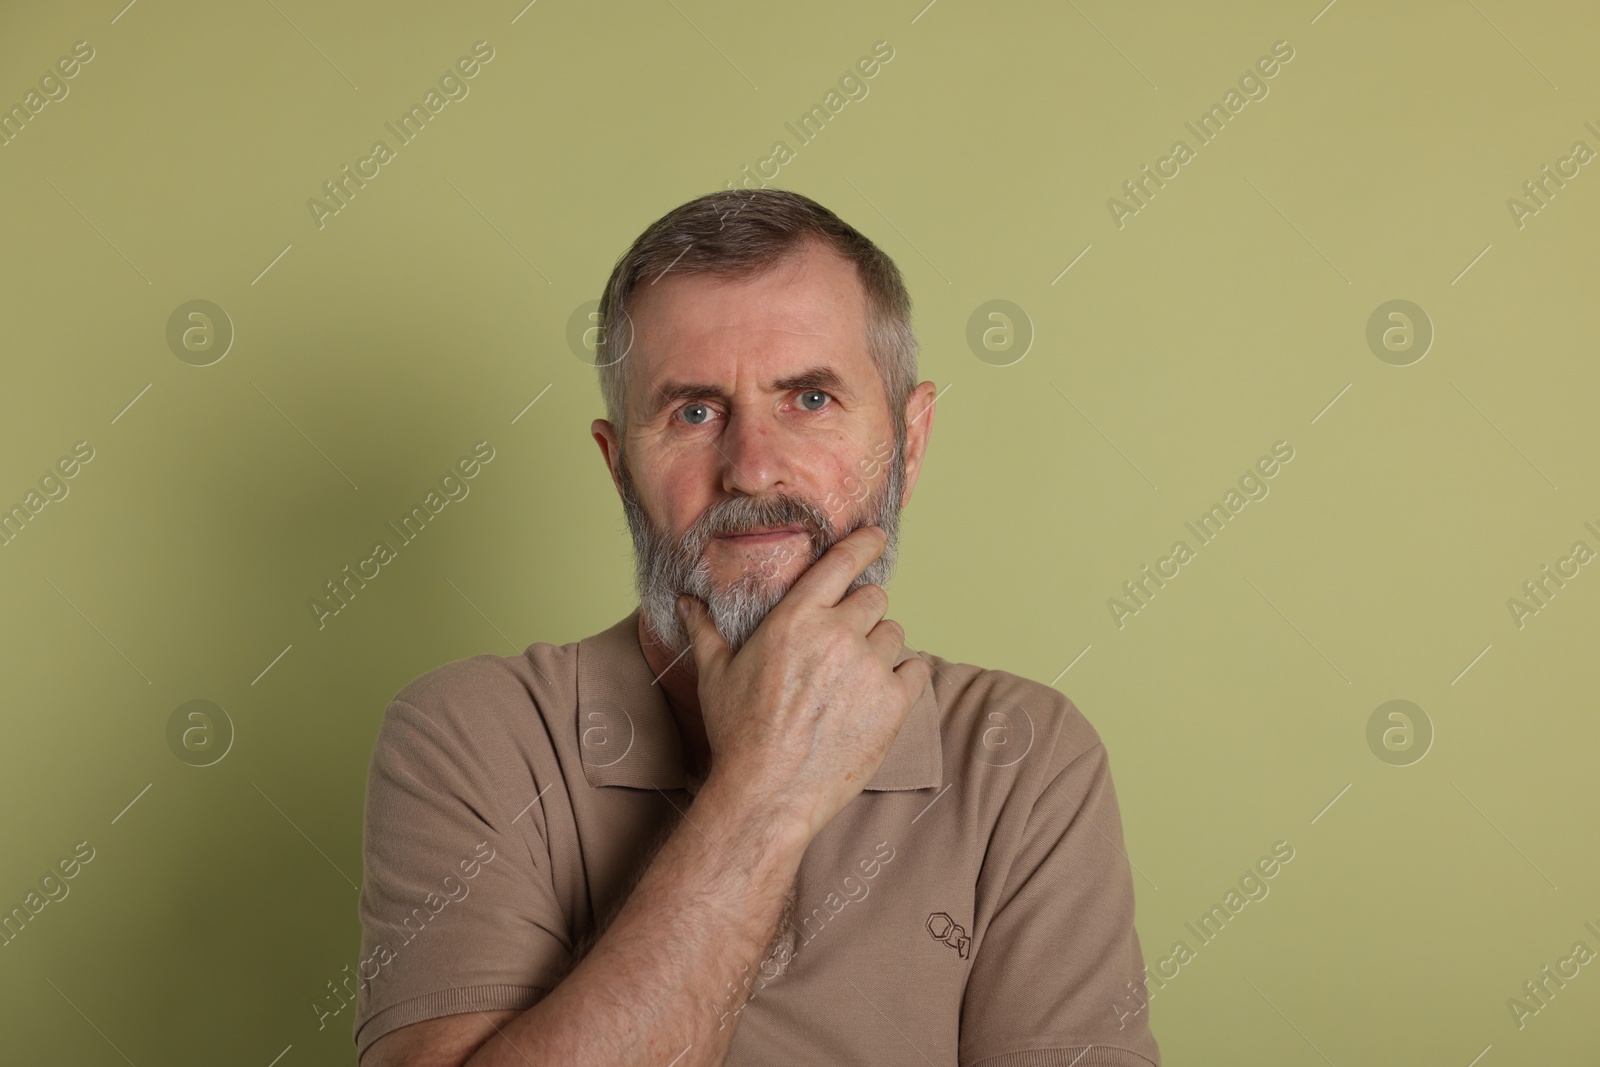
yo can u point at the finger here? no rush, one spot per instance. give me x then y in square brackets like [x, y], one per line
[710, 650]
[886, 639]
[913, 675]
[826, 580]
[863, 607]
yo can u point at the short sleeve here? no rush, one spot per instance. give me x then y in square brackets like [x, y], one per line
[458, 913]
[1058, 977]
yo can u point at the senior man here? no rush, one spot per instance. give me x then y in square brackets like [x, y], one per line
[764, 830]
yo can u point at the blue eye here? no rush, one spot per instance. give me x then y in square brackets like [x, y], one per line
[822, 398]
[689, 408]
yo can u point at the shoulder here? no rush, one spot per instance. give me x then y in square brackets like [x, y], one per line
[998, 718]
[478, 710]
[475, 684]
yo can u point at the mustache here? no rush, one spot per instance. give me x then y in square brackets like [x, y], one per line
[738, 515]
[666, 565]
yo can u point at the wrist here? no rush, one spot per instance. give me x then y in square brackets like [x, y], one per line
[773, 826]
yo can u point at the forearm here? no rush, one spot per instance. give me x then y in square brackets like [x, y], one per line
[654, 989]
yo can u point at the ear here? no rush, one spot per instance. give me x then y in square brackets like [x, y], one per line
[605, 435]
[919, 424]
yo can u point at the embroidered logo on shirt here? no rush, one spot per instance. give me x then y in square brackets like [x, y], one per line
[943, 928]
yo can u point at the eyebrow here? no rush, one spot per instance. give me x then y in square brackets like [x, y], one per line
[671, 391]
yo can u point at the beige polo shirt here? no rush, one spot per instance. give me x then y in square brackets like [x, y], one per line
[972, 906]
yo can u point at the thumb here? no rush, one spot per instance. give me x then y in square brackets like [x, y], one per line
[710, 650]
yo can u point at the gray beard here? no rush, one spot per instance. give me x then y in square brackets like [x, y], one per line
[665, 567]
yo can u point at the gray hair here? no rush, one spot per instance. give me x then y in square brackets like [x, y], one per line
[745, 233]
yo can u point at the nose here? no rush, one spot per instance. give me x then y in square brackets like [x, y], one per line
[755, 455]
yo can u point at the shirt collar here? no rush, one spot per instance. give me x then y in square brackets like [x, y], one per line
[628, 737]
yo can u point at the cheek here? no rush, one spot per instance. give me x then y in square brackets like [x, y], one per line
[852, 483]
[842, 476]
[675, 490]
[843, 507]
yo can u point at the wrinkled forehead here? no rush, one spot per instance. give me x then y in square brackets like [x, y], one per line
[744, 334]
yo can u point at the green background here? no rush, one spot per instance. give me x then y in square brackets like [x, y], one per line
[1228, 314]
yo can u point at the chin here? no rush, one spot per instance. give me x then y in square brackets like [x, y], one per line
[760, 573]
[754, 585]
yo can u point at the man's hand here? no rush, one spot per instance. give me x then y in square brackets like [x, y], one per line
[803, 715]
[798, 721]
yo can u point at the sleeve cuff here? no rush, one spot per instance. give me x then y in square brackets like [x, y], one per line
[1074, 1056]
[451, 1001]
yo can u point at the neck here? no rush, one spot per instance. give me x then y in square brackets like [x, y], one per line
[680, 685]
